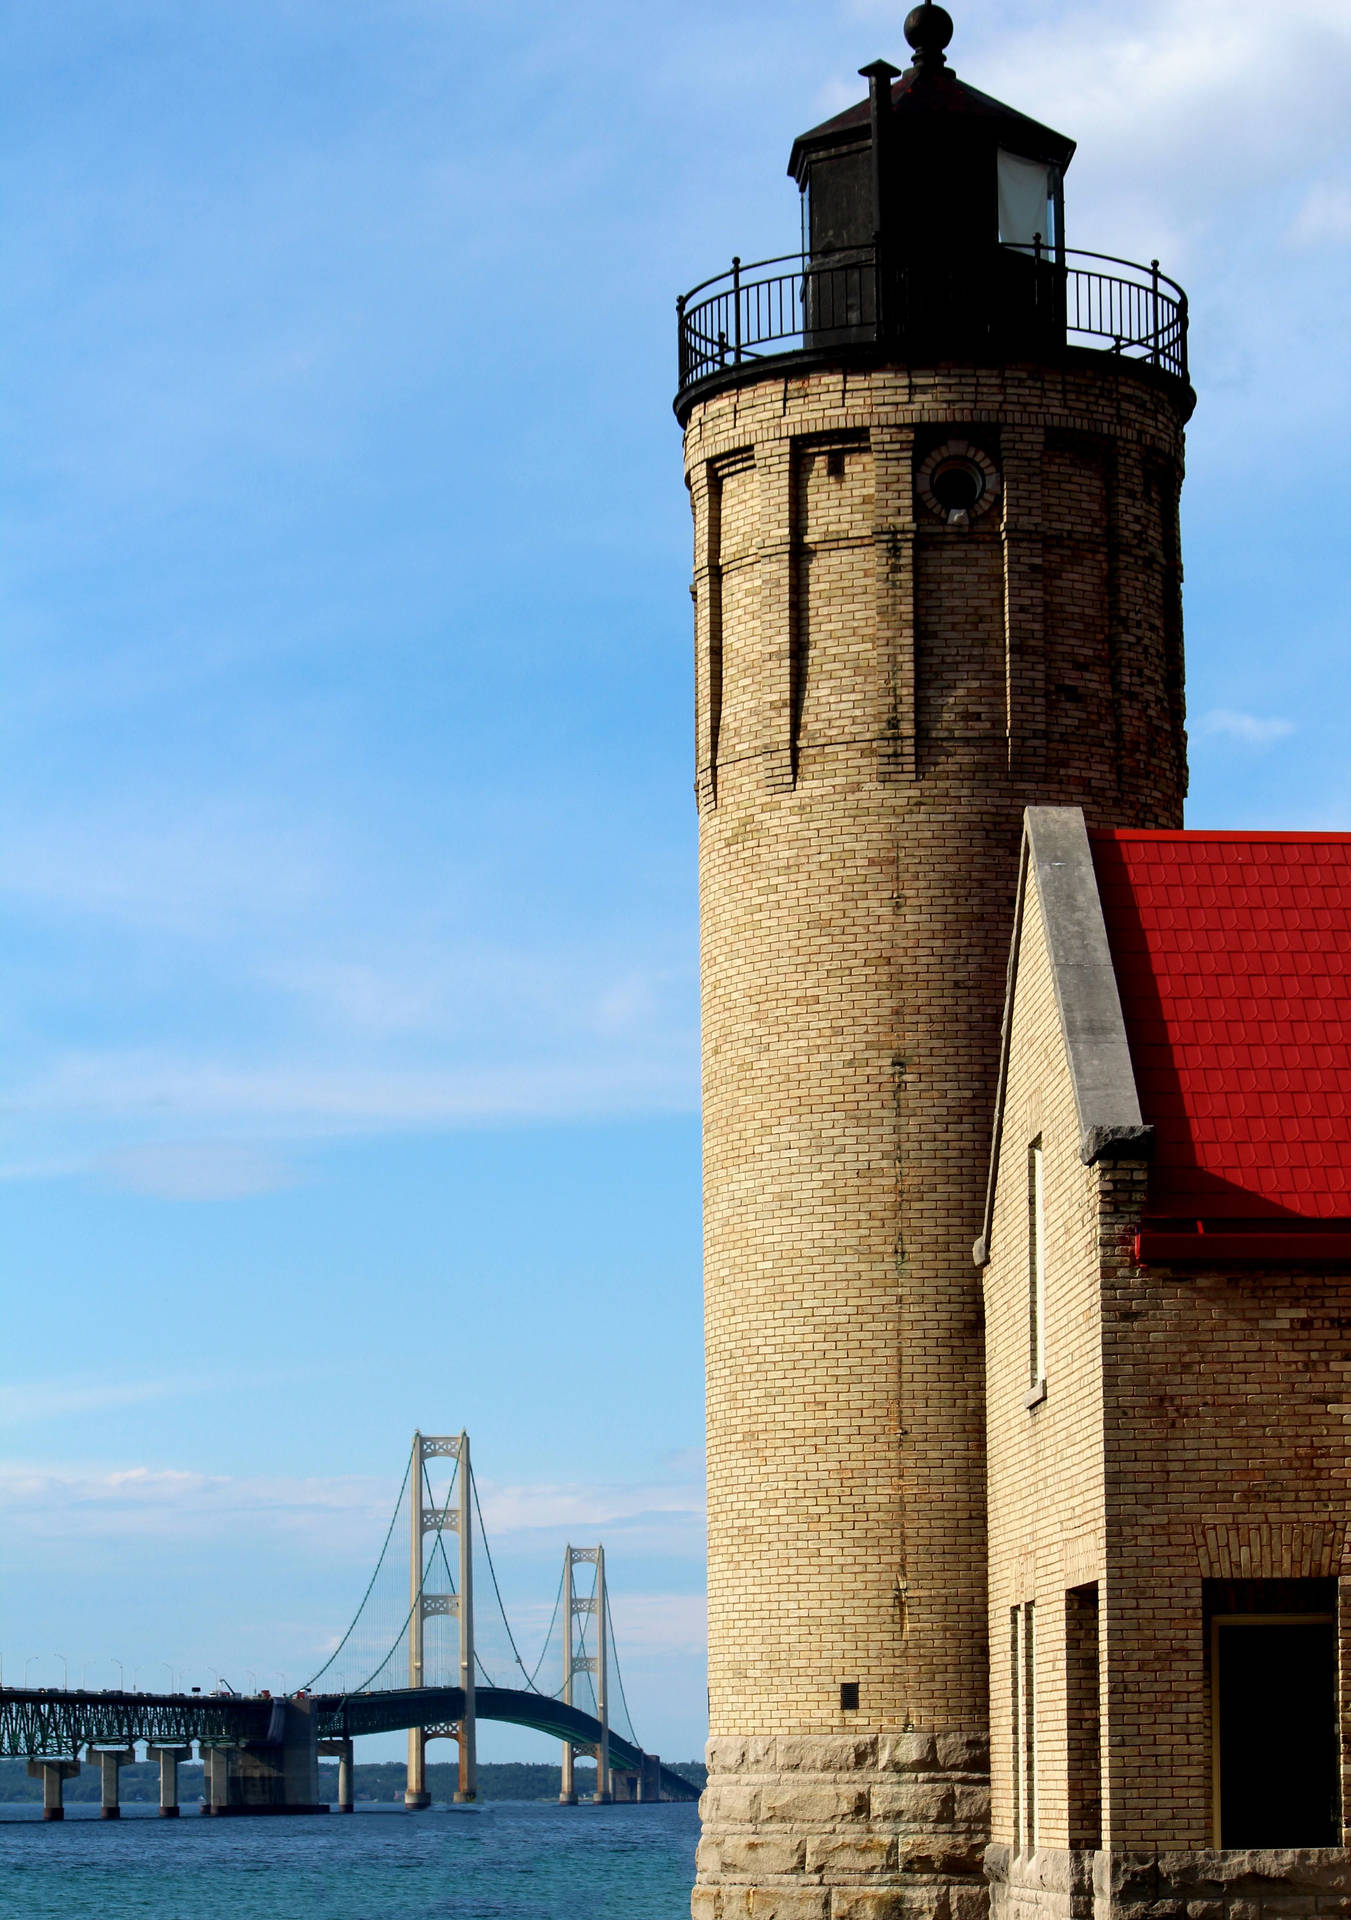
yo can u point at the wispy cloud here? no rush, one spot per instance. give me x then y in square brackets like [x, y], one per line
[152, 870]
[39, 1400]
[282, 987]
[460, 986]
[1324, 217]
[32, 1402]
[661, 1622]
[312, 1098]
[547, 1506]
[1249, 729]
[342, 1516]
[203, 1170]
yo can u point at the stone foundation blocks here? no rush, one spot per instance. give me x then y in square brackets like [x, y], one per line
[907, 1753]
[743, 1858]
[941, 1854]
[904, 1903]
[813, 1806]
[850, 1856]
[920, 1802]
[823, 1754]
[811, 1825]
[734, 1806]
[1208, 1884]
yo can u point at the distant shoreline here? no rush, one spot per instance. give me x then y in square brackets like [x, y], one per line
[375, 1782]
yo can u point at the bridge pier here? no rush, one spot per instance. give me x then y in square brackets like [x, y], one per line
[415, 1794]
[111, 1762]
[279, 1774]
[649, 1780]
[567, 1786]
[54, 1775]
[168, 1758]
[341, 1750]
[215, 1779]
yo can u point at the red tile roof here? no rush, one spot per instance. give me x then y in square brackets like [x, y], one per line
[1233, 958]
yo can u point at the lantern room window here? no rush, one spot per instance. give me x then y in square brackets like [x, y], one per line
[1027, 201]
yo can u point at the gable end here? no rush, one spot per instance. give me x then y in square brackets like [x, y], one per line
[1057, 855]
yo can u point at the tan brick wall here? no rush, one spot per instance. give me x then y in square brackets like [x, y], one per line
[1226, 1414]
[872, 715]
[1046, 1514]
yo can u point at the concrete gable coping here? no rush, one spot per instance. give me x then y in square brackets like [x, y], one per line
[1057, 856]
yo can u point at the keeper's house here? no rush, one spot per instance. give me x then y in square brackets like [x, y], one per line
[1167, 1270]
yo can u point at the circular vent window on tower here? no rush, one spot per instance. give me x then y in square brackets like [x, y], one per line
[958, 482]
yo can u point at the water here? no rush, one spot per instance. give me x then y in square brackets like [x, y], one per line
[502, 1860]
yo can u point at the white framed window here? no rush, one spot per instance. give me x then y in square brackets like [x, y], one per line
[1027, 200]
[1023, 1754]
[1036, 1273]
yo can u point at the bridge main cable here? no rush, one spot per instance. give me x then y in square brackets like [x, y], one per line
[370, 1585]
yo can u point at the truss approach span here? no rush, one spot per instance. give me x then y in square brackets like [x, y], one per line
[42, 1724]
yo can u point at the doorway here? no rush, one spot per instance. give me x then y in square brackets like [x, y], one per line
[1274, 1725]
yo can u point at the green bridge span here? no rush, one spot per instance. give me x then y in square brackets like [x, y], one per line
[275, 1742]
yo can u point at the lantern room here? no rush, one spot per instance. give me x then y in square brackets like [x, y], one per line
[932, 230]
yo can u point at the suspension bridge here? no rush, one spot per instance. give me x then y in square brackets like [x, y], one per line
[415, 1656]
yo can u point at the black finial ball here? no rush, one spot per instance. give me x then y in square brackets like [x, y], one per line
[928, 29]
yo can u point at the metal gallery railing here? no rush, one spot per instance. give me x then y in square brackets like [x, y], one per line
[1144, 316]
[1020, 298]
[751, 308]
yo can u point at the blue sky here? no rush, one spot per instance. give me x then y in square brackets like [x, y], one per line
[349, 1022]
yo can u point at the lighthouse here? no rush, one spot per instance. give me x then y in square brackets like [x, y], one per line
[934, 460]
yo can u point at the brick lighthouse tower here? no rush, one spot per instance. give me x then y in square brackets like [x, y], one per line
[934, 464]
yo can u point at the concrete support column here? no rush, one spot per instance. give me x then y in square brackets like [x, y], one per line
[215, 1779]
[649, 1780]
[346, 1782]
[168, 1758]
[54, 1775]
[415, 1793]
[111, 1761]
[279, 1774]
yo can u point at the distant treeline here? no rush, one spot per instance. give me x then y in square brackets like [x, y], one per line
[381, 1780]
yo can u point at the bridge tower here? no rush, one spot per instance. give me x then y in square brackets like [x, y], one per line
[575, 1660]
[424, 1603]
[934, 467]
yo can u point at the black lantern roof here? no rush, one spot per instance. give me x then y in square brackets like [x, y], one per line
[930, 87]
[914, 93]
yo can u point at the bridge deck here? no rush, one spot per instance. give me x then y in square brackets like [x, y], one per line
[55, 1724]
